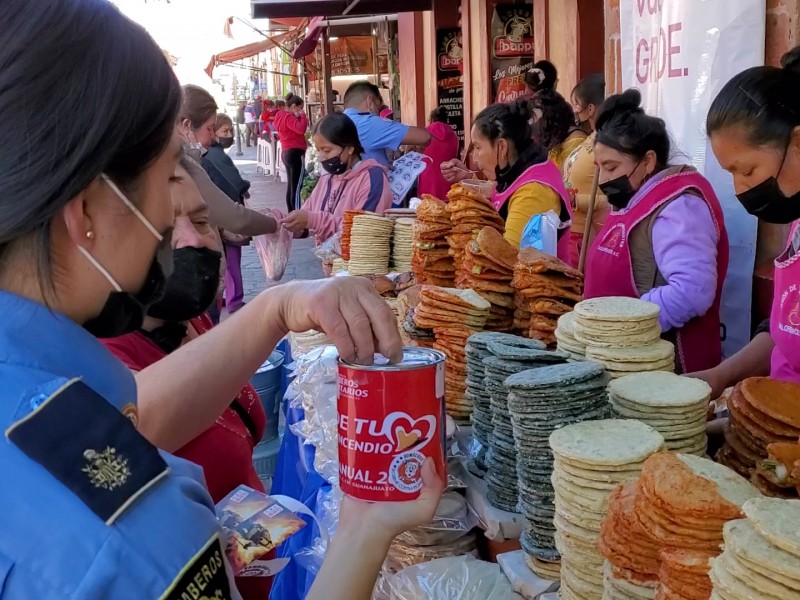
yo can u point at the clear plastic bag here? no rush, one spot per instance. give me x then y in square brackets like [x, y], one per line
[330, 249]
[454, 578]
[541, 232]
[273, 252]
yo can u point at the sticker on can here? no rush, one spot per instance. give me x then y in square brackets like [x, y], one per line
[391, 418]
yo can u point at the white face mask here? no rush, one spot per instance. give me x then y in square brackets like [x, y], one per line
[164, 256]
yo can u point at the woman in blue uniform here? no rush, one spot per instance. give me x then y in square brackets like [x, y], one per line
[88, 507]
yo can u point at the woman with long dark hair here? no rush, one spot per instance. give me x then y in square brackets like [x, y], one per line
[665, 241]
[754, 127]
[292, 125]
[84, 252]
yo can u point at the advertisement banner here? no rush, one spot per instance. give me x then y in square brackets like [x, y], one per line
[680, 53]
[512, 50]
[351, 56]
[449, 82]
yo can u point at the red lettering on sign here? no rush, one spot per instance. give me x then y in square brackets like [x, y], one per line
[657, 56]
[652, 6]
[505, 48]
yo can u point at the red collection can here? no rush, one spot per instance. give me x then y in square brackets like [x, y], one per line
[391, 417]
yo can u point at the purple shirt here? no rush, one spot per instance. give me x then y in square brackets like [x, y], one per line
[685, 248]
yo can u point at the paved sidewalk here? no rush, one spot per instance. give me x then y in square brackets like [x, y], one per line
[265, 192]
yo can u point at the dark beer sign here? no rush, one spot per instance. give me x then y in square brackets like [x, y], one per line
[449, 82]
[512, 50]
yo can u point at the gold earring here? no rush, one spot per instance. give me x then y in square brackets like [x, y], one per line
[90, 235]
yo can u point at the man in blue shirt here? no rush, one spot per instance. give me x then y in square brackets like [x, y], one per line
[362, 103]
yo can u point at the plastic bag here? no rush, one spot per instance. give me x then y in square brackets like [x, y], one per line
[541, 232]
[455, 578]
[330, 249]
[273, 252]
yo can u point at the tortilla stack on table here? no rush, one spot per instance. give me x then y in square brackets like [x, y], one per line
[545, 289]
[431, 261]
[370, 245]
[347, 227]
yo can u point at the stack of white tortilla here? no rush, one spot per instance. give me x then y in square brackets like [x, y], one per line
[623, 334]
[674, 406]
[565, 336]
[762, 553]
[370, 245]
[340, 265]
[403, 245]
[591, 459]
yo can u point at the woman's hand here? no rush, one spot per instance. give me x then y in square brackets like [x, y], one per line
[357, 320]
[297, 220]
[454, 171]
[715, 378]
[387, 520]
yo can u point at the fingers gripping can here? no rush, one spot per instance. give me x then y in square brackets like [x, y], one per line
[391, 418]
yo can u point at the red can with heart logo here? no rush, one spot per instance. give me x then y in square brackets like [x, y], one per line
[391, 418]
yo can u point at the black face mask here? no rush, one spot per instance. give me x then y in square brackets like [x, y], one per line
[193, 286]
[225, 142]
[124, 312]
[618, 191]
[767, 202]
[335, 165]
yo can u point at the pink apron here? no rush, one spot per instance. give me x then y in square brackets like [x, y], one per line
[547, 174]
[609, 270]
[784, 324]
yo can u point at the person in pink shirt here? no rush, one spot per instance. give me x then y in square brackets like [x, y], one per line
[443, 148]
[349, 183]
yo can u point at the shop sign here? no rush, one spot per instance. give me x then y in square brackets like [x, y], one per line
[449, 82]
[512, 50]
[352, 56]
[679, 54]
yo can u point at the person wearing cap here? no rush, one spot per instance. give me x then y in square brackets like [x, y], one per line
[95, 509]
[363, 104]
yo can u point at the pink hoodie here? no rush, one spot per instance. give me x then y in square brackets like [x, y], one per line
[363, 187]
[443, 147]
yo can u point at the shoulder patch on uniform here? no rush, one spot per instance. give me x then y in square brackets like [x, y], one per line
[90, 447]
[203, 577]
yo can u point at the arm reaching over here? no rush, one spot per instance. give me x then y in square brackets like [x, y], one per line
[182, 394]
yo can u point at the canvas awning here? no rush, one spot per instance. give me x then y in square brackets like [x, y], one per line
[283, 10]
[248, 50]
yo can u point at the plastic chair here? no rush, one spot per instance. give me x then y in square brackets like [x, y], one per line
[280, 169]
[265, 157]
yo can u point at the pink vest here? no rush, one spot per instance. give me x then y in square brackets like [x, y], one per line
[609, 270]
[784, 324]
[547, 174]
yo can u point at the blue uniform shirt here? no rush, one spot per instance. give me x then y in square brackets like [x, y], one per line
[88, 508]
[377, 135]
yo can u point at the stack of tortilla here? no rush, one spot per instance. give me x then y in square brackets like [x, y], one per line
[541, 401]
[487, 268]
[674, 406]
[370, 245]
[407, 302]
[623, 334]
[469, 213]
[589, 457]
[762, 553]
[762, 411]
[456, 314]
[476, 393]
[661, 530]
[431, 260]
[400, 213]
[546, 288]
[340, 265]
[508, 357]
[402, 245]
[347, 227]
[565, 337]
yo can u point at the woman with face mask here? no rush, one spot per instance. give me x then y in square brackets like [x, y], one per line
[85, 251]
[292, 125]
[226, 176]
[349, 183]
[579, 167]
[527, 182]
[225, 449]
[665, 241]
[754, 127]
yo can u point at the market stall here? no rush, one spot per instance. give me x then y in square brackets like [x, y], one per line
[576, 457]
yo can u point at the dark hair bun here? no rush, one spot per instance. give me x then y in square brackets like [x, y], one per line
[629, 101]
[791, 61]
